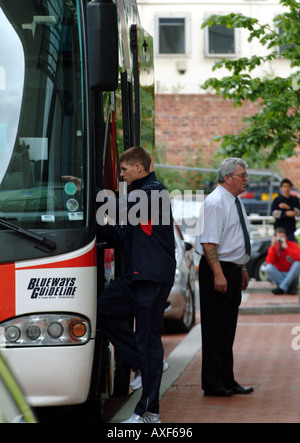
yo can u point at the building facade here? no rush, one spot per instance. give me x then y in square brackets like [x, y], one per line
[187, 117]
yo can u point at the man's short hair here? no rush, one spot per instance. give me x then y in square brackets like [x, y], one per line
[228, 166]
[137, 154]
[286, 180]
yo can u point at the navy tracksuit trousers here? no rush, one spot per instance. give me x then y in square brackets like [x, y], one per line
[142, 349]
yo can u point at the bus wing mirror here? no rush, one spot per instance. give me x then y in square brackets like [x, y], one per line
[103, 49]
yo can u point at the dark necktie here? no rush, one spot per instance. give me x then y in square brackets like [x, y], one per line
[245, 231]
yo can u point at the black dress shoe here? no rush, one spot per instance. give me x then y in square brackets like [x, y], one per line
[278, 291]
[242, 390]
[222, 392]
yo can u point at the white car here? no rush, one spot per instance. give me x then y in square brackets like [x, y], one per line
[179, 315]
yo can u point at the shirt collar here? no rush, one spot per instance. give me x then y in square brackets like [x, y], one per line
[227, 194]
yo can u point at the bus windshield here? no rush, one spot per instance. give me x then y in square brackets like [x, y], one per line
[42, 135]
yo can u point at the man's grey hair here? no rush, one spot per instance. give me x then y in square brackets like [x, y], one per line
[228, 166]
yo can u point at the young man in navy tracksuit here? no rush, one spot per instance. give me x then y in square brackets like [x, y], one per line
[143, 287]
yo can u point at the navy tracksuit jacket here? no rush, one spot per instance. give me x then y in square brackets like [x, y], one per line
[141, 290]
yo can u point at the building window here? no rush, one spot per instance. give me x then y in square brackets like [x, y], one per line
[172, 35]
[286, 46]
[220, 41]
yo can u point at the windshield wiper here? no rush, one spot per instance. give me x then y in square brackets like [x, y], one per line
[29, 234]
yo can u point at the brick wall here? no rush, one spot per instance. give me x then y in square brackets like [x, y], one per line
[186, 124]
[291, 168]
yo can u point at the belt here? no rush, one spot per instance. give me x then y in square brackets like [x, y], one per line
[227, 263]
[232, 265]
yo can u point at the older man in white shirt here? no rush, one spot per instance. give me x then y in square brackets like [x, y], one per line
[225, 249]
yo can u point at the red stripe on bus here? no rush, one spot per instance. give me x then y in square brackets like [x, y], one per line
[7, 292]
[86, 260]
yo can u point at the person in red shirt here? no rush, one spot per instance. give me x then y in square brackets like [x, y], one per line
[283, 262]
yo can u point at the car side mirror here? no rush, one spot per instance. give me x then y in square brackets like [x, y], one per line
[188, 246]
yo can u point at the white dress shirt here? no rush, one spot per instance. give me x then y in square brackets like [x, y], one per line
[222, 227]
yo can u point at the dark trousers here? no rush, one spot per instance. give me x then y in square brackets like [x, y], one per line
[142, 349]
[219, 314]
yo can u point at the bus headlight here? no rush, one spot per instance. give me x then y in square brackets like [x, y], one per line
[55, 330]
[33, 332]
[12, 334]
[45, 330]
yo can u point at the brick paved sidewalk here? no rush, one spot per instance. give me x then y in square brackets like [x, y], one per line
[264, 359]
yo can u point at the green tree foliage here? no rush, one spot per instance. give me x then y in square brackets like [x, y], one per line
[276, 127]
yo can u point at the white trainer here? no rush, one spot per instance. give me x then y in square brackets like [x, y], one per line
[137, 382]
[165, 366]
[134, 418]
[149, 417]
